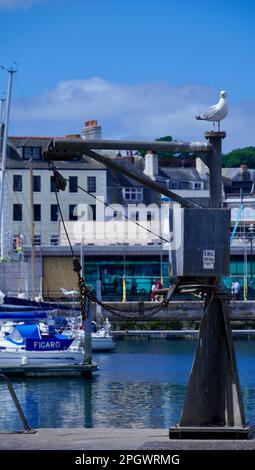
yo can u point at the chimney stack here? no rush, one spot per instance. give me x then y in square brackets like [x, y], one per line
[244, 171]
[243, 168]
[201, 167]
[151, 164]
[91, 131]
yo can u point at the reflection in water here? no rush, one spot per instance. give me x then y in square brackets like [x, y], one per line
[140, 404]
[87, 400]
[143, 384]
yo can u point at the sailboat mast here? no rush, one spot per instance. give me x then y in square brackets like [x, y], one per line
[4, 155]
[2, 100]
[32, 229]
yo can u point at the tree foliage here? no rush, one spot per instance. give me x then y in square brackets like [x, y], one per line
[167, 138]
[174, 159]
[237, 157]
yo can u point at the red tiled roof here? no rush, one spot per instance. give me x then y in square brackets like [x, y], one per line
[35, 137]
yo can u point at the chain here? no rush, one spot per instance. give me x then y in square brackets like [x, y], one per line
[123, 313]
[84, 298]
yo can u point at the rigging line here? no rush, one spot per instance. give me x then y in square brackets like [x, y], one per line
[63, 222]
[110, 309]
[152, 310]
[26, 105]
[125, 216]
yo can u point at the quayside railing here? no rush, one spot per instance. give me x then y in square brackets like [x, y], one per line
[16, 402]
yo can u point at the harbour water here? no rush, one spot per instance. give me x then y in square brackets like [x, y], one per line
[140, 385]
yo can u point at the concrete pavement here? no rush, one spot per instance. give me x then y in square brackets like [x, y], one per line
[112, 439]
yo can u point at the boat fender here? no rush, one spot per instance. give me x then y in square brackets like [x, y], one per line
[24, 361]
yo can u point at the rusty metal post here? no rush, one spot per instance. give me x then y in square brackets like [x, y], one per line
[215, 164]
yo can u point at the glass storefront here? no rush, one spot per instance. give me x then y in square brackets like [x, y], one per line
[132, 277]
[243, 271]
[135, 275]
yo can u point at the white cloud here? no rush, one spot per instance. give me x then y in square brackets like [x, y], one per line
[144, 111]
[13, 4]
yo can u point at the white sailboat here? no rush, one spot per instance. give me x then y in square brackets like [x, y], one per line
[101, 340]
[34, 344]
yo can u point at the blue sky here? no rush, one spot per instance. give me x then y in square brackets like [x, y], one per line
[143, 68]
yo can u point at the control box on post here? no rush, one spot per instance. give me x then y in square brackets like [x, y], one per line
[200, 245]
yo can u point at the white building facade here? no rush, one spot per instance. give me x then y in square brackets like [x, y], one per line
[75, 203]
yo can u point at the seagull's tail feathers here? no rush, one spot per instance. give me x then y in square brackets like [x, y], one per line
[199, 118]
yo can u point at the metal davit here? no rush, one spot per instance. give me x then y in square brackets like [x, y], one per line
[213, 407]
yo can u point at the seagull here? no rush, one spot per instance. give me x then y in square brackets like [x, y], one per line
[217, 112]
[68, 292]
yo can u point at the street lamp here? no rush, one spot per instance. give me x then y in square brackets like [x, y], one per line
[251, 230]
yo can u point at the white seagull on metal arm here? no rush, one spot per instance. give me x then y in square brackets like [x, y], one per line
[217, 112]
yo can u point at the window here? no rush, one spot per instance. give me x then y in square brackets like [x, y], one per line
[54, 240]
[133, 194]
[54, 212]
[37, 240]
[91, 184]
[149, 216]
[244, 186]
[92, 211]
[17, 212]
[197, 185]
[73, 181]
[185, 185]
[72, 215]
[174, 184]
[37, 212]
[36, 184]
[53, 185]
[32, 153]
[17, 183]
